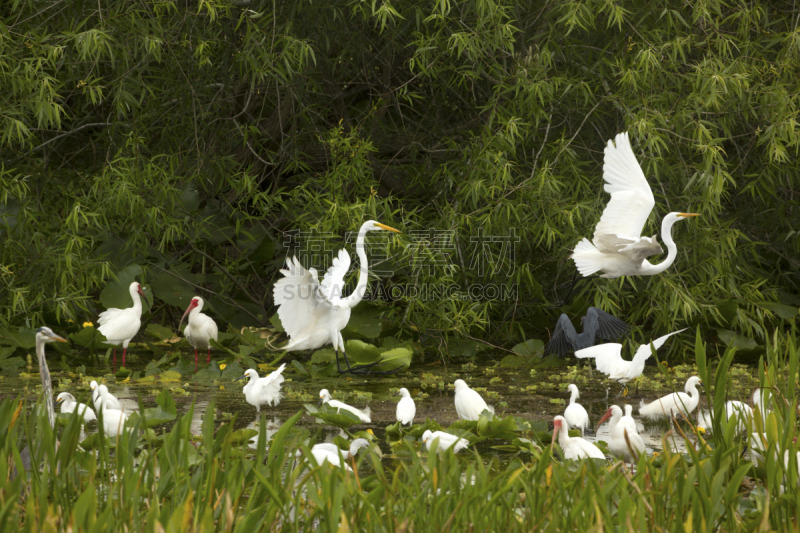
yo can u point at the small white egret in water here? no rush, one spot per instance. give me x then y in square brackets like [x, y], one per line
[618, 248]
[100, 394]
[675, 403]
[121, 325]
[113, 419]
[575, 415]
[263, 391]
[68, 404]
[329, 452]
[469, 404]
[313, 313]
[406, 408]
[201, 329]
[596, 323]
[608, 359]
[445, 441]
[325, 397]
[573, 447]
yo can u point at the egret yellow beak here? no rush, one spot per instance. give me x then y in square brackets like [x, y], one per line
[387, 228]
[688, 215]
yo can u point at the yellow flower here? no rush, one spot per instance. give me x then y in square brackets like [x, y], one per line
[87, 324]
[222, 366]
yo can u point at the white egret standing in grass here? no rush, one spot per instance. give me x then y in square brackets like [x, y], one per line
[573, 447]
[329, 452]
[469, 404]
[575, 415]
[445, 440]
[113, 419]
[608, 359]
[68, 404]
[618, 248]
[200, 330]
[313, 313]
[675, 403]
[406, 408]
[263, 391]
[101, 395]
[121, 325]
[325, 397]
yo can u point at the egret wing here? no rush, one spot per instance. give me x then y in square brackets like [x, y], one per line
[332, 285]
[296, 295]
[563, 339]
[631, 198]
[607, 357]
[637, 249]
[609, 327]
[658, 343]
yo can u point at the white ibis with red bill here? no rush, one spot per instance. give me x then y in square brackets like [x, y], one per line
[200, 330]
[573, 447]
[121, 325]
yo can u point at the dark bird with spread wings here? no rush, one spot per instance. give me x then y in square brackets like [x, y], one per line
[596, 323]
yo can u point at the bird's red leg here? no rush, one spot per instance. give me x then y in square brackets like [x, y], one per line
[209, 356]
[195, 360]
[123, 356]
[115, 358]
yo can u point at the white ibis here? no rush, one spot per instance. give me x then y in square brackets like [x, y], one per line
[406, 408]
[200, 330]
[573, 447]
[113, 419]
[675, 403]
[469, 404]
[608, 359]
[100, 394]
[325, 397]
[329, 452]
[263, 391]
[622, 430]
[121, 325]
[68, 404]
[446, 441]
[618, 248]
[313, 313]
[575, 415]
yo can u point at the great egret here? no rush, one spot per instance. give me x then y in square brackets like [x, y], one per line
[68, 404]
[675, 403]
[608, 359]
[618, 248]
[575, 415]
[313, 313]
[446, 441]
[200, 330]
[113, 419]
[263, 391]
[406, 408]
[101, 395]
[469, 404]
[325, 397]
[624, 439]
[596, 323]
[121, 325]
[573, 447]
[329, 452]
[43, 336]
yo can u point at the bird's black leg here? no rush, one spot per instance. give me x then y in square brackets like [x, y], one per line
[573, 284]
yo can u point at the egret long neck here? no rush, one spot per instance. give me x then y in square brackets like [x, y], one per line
[363, 274]
[574, 396]
[47, 389]
[672, 250]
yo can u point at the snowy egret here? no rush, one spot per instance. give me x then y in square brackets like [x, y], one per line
[596, 323]
[608, 359]
[618, 248]
[263, 391]
[313, 313]
[672, 404]
[113, 419]
[624, 439]
[101, 395]
[121, 325]
[446, 441]
[573, 447]
[43, 336]
[575, 415]
[406, 408]
[325, 397]
[469, 404]
[68, 404]
[329, 452]
[200, 330]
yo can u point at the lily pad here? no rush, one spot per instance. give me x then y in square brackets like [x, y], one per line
[529, 348]
[393, 359]
[159, 332]
[325, 355]
[165, 412]
[464, 348]
[365, 322]
[341, 418]
[362, 352]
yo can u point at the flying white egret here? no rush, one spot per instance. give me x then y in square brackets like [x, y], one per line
[406, 408]
[675, 403]
[263, 391]
[68, 404]
[573, 447]
[618, 248]
[121, 325]
[608, 359]
[329, 452]
[98, 397]
[469, 404]
[325, 397]
[200, 330]
[596, 323]
[113, 419]
[624, 439]
[446, 441]
[313, 313]
[575, 415]
[43, 336]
